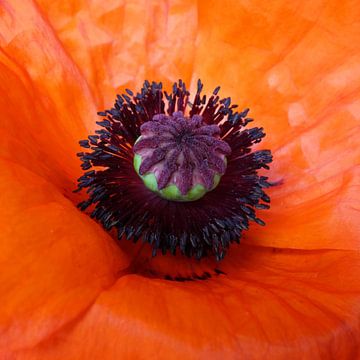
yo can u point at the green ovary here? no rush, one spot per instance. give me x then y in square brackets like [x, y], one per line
[172, 192]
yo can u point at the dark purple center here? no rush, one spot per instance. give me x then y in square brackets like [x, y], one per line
[182, 151]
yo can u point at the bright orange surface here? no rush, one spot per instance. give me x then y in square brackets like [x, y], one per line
[67, 291]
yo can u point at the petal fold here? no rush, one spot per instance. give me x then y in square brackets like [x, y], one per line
[54, 260]
[269, 304]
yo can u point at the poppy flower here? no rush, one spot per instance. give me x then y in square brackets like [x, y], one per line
[291, 289]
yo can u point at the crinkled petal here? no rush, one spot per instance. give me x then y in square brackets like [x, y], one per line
[118, 44]
[296, 65]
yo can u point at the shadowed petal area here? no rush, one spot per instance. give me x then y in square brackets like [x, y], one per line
[269, 304]
[54, 260]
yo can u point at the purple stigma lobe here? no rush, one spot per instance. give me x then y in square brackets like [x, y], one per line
[182, 151]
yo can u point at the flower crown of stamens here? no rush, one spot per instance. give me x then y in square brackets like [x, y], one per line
[183, 145]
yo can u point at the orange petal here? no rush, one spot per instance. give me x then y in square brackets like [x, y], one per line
[54, 260]
[119, 44]
[45, 103]
[270, 304]
[295, 64]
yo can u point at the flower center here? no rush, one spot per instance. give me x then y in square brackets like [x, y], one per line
[180, 158]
